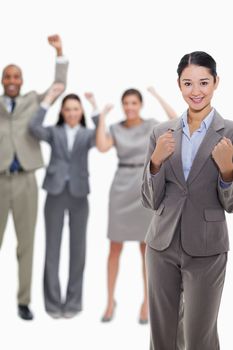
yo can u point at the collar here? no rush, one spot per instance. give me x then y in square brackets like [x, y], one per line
[8, 99]
[74, 129]
[204, 124]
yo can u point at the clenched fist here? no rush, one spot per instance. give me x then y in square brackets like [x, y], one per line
[53, 93]
[91, 98]
[55, 41]
[106, 110]
[223, 156]
[164, 149]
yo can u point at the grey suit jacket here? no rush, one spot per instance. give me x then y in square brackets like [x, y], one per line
[199, 202]
[62, 162]
[14, 134]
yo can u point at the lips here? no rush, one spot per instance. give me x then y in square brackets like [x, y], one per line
[11, 88]
[197, 100]
[130, 114]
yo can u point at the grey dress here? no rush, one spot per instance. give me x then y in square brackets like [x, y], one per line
[128, 219]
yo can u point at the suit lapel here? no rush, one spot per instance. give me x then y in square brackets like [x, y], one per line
[175, 159]
[211, 138]
[78, 138]
[18, 103]
[64, 141]
[77, 141]
[3, 109]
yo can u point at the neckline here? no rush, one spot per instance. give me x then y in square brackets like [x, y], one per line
[131, 127]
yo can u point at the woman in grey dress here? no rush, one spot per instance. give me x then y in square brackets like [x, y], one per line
[128, 220]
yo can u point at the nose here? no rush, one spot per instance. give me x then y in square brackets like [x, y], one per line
[11, 81]
[195, 90]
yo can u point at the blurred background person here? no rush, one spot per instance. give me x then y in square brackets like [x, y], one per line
[128, 220]
[20, 156]
[67, 186]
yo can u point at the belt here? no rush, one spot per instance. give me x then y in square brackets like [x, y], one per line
[122, 165]
[12, 173]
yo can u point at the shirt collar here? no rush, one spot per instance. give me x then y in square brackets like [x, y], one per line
[204, 124]
[74, 129]
[8, 99]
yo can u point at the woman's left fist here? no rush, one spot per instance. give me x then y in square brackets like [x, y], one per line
[223, 156]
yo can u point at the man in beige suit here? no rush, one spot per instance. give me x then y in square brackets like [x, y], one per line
[20, 156]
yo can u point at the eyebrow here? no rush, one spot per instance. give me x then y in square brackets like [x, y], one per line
[191, 80]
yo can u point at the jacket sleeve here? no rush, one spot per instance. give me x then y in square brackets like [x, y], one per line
[153, 186]
[61, 69]
[226, 196]
[37, 129]
[95, 120]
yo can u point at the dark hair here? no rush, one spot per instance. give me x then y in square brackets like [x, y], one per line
[198, 58]
[12, 65]
[131, 92]
[75, 97]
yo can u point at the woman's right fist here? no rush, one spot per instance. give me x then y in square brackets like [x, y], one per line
[54, 92]
[107, 109]
[165, 147]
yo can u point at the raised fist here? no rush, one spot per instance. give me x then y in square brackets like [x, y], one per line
[91, 99]
[55, 41]
[107, 109]
[54, 92]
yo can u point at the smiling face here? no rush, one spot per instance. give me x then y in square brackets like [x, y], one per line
[72, 112]
[197, 86]
[12, 81]
[132, 106]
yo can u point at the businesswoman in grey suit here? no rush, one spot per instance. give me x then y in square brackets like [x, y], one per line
[188, 183]
[66, 182]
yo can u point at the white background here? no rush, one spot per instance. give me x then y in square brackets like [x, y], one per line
[111, 45]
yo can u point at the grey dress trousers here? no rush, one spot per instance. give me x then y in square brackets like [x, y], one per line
[67, 185]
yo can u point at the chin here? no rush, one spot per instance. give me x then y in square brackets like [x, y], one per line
[11, 94]
[131, 117]
[198, 108]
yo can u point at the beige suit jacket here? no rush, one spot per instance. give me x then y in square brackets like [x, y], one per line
[15, 137]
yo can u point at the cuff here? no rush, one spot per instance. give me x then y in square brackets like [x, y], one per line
[95, 112]
[45, 105]
[153, 175]
[61, 59]
[224, 184]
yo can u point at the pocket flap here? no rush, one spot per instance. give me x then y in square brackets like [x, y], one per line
[160, 209]
[214, 215]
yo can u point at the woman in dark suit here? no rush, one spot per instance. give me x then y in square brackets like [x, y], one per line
[67, 185]
[188, 183]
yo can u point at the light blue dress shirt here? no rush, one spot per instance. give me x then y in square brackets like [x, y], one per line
[191, 143]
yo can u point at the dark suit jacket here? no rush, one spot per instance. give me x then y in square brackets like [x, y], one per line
[63, 162]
